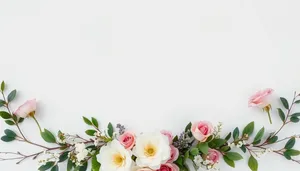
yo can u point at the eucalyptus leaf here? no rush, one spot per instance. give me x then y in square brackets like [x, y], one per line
[294, 119]
[249, 129]
[281, 114]
[48, 136]
[5, 115]
[236, 133]
[259, 135]
[252, 163]
[9, 122]
[234, 156]
[10, 133]
[290, 144]
[110, 129]
[6, 138]
[284, 102]
[11, 96]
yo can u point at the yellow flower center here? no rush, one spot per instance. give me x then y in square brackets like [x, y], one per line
[118, 159]
[150, 150]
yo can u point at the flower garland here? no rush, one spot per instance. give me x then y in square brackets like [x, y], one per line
[117, 149]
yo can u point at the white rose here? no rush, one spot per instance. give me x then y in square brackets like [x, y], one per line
[114, 157]
[152, 150]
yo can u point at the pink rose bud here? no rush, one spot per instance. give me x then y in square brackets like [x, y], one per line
[202, 130]
[174, 154]
[168, 134]
[213, 156]
[28, 108]
[260, 98]
[168, 167]
[127, 140]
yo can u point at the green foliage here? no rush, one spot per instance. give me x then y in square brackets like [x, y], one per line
[9, 122]
[290, 144]
[90, 132]
[7, 138]
[47, 166]
[259, 135]
[292, 152]
[95, 122]
[284, 102]
[249, 129]
[95, 164]
[48, 136]
[5, 115]
[110, 129]
[228, 136]
[272, 140]
[236, 133]
[70, 165]
[2, 86]
[11, 96]
[233, 156]
[252, 163]
[203, 147]
[243, 148]
[216, 143]
[83, 167]
[229, 162]
[54, 168]
[9, 135]
[294, 119]
[2, 103]
[188, 127]
[194, 151]
[64, 156]
[87, 121]
[281, 114]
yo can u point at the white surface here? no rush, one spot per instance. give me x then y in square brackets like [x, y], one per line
[149, 64]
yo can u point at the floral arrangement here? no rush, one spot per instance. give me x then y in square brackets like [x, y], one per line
[117, 149]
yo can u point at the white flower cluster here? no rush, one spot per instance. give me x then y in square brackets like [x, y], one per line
[79, 154]
[260, 153]
[205, 164]
[51, 157]
[218, 130]
[98, 140]
[237, 144]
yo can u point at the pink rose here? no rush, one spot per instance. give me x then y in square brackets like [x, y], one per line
[28, 108]
[168, 134]
[260, 98]
[168, 167]
[174, 154]
[202, 130]
[127, 140]
[213, 156]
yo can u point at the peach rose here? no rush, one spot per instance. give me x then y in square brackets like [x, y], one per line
[174, 154]
[213, 156]
[168, 167]
[168, 134]
[260, 98]
[127, 140]
[28, 108]
[202, 130]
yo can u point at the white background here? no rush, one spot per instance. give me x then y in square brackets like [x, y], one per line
[150, 65]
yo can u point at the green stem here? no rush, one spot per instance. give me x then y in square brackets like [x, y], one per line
[270, 119]
[37, 124]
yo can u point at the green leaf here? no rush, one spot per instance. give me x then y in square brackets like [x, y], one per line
[284, 102]
[188, 127]
[216, 143]
[252, 163]
[2, 86]
[95, 122]
[234, 156]
[48, 136]
[296, 114]
[194, 151]
[287, 156]
[6, 138]
[243, 148]
[47, 166]
[10, 133]
[229, 162]
[55, 168]
[294, 119]
[69, 165]
[180, 161]
[87, 121]
[84, 167]
[9, 122]
[272, 140]
[298, 101]
[64, 156]
[5, 115]
[225, 148]
[259, 135]
[110, 129]
[2, 103]
[228, 136]
[21, 120]
[249, 129]
[90, 132]
[290, 144]
[281, 114]
[292, 152]
[236, 133]
[186, 154]
[95, 164]
[203, 147]
[11, 96]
